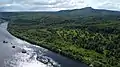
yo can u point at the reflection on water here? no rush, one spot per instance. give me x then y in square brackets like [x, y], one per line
[33, 58]
[23, 60]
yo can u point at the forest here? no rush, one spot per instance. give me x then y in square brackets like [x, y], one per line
[93, 39]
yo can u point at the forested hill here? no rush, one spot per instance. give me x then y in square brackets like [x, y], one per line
[88, 11]
[88, 35]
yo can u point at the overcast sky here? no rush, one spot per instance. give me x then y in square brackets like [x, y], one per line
[56, 5]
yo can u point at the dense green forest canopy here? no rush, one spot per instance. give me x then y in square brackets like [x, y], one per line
[88, 35]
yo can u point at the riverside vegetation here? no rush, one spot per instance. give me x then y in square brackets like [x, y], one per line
[92, 38]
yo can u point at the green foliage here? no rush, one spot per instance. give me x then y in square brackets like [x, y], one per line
[88, 39]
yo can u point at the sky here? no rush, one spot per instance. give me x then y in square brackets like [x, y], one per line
[56, 5]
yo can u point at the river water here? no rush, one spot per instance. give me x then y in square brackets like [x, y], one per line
[34, 57]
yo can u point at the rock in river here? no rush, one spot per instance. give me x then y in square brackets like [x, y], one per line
[24, 51]
[13, 46]
[5, 42]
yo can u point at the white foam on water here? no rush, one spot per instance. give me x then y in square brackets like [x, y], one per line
[34, 64]
[23, 60]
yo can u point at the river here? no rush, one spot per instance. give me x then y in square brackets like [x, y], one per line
[35, 56]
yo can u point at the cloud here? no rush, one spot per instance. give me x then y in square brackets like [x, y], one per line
[56, 5]
[104, 4]
[111, 5]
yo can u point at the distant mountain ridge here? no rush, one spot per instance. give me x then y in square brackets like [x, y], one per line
[88, 11]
